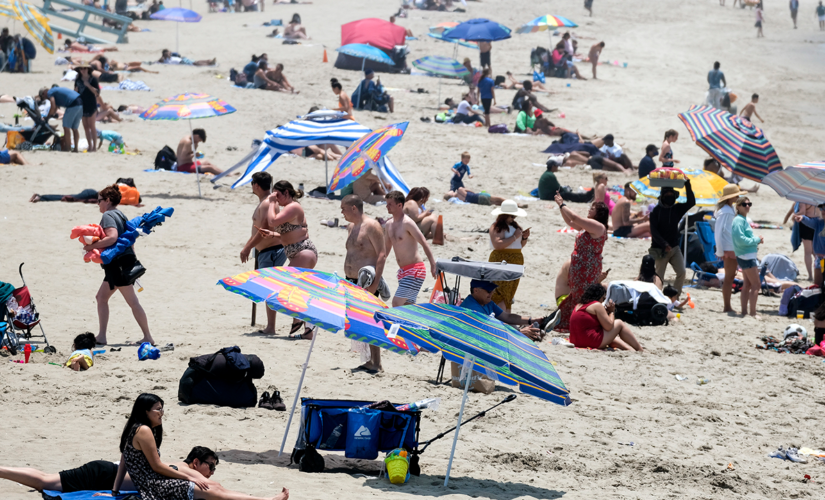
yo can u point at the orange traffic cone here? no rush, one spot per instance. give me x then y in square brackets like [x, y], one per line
[325, 56]
[59, 36]
[438, 238]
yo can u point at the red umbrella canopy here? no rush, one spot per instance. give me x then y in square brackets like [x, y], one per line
[372, 31]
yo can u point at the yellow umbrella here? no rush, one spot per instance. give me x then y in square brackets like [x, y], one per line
[32, 18]
[707, 187]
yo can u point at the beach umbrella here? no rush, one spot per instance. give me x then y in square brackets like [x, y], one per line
[322, 299]
[365, 52]
[33, 20]
[364, 154]
[804, 182]
[178, 15]
[438, 30]
[707, 187]
[478, 30]
[188, 107]
[546, 23]
[733, 141]
[441, 66]
[479, 342]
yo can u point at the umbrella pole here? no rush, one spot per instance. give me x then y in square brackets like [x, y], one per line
[363, 62]
[326, 170]
[298, 392]
[177, 38]
[470, 360]
[195, 159]
[439, 91]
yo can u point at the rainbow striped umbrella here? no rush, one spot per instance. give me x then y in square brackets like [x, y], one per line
[544, 23]
[707, 187]
[365, 152]
[804, 183]
[733, 141]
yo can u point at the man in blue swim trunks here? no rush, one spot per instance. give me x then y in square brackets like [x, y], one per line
[70, 100]
[12, 158]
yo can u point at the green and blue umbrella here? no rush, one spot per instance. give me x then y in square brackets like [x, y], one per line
[457, 332]
[441, 66]
[733, 141]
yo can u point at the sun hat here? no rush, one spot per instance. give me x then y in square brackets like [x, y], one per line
[509, 207]
[731, 191]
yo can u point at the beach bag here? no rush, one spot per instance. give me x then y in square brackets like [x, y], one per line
[498, 128]
[806, 302]
[648, 312]
[165, 159]
[362, 433]
[223, 378]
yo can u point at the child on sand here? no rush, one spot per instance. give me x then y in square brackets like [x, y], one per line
[459, 170]
[113, 137]
[81, 358]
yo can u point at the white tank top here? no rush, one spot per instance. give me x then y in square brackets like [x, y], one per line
[516, 245]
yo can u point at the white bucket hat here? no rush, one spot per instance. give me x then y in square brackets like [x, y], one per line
[509, 207]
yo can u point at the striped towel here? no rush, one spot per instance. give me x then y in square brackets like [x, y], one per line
[567, 230]
[129, 85]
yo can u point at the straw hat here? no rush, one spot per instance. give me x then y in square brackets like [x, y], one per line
[731, 191]
[509, 207]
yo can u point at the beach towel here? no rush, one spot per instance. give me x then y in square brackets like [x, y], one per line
[86, 495]
[567, 230]
[558, 148]
[129, 85]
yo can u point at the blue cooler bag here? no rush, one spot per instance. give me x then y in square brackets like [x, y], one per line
[362, 433]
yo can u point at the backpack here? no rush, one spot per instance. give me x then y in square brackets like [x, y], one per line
[806, 301]
[223, 378]
[648, 312]
[165, 159]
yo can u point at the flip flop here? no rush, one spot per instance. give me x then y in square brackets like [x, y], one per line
[300, 336]
[295, 328]
[362, 368]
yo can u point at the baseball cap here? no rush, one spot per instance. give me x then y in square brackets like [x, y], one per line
[487, 286]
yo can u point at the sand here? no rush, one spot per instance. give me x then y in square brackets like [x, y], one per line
[685, 435]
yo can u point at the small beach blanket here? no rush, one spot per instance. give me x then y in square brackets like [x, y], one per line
[766, 226]
[129, 85]
[86, 495]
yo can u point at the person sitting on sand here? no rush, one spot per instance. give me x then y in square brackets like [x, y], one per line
[186, 155]
[525, 94]
[372, 96]
[625, 225]
[549, 185]
[277, 75]
[261, 78]
[166, 57]
[465, 112]
[594, 326]
[675, 303]
[614, 152]
[12, 158]
[344, 102]
[294, 30]
[140, 458]
[647, 272]
[81, 359]
[105, 113]
[370, 189]
[477, 198]
[526, 119]
[414, 209]
[480, 300]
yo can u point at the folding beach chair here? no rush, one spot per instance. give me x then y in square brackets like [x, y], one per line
[708, 239]
[25, 318]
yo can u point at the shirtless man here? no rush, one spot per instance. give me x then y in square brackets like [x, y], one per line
[365, 248]
[186, 158]
[595, 52]
[269, 250]
[484, 49]
[625, 225]
[750, 109]
[369, 188]
[403, 236]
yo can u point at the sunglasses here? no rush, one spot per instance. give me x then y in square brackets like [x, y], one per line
[211, 466]
[99, 200]
[746, 204]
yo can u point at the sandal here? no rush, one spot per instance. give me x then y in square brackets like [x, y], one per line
[295, 327]
[301, 336]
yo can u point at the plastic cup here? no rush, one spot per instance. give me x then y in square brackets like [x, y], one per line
[800, 315]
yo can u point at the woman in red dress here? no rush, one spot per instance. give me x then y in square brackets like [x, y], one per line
[585, 266]
[594, 326]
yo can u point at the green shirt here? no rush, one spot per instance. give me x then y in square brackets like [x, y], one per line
[524, 122]
[548, 185]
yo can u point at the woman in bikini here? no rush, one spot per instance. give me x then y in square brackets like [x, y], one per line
[666, 153]
[344, 102]
[286, 217]
[277, 76]
[414, 209]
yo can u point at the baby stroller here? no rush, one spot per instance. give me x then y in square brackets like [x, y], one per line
[35, 135]
[22, 318]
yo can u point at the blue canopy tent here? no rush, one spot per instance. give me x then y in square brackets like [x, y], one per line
[308, 132]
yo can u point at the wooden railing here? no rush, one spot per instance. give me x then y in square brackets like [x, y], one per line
[51, 9]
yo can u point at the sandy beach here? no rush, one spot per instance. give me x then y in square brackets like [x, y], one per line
[689, 441]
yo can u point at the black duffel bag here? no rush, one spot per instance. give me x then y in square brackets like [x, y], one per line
[223, 378]
[648, 312]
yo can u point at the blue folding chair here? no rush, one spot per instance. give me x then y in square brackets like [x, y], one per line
[708, 239]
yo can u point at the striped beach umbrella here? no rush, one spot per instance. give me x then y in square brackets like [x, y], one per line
[544, 23]
[364, 154]
[479, 343]
[733, 141]
[804, 183]
[33, 20]
[441, 66]
[707, 187]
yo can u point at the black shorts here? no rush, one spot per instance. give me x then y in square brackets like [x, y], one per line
[596, 162]
[95, 476]
[487, 104]
[485, 58]
[623, 232]
[108, 77]
[118, 272]
[805, 232]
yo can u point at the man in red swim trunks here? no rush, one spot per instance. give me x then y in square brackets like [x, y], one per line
[402, 235]
[186, 156]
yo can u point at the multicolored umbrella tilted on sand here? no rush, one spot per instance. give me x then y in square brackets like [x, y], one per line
[733, 141]
[804, 182]
[363, 153]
